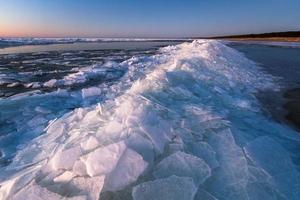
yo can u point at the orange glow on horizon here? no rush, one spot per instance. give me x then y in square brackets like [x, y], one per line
[22, 30]
[10, 30]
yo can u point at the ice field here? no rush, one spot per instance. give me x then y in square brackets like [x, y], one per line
[180, 123]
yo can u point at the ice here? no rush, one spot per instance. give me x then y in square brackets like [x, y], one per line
[89, 187]
[274, 159]
[65, 159]
[34, 191]
[42, 110]
[65, 177]
[264, 191]
[129, 168]
[157, 130]
[86, 74]
[90, 144]
[204, 195]
[79, 168]
[172, 188]
[142, 146]
[14, 41]
[229, 180]
[181, 124]
[51, 83]
[14, 84]
[37, 120]
[90, 92]
[97, 161]
[176, 145]
[205, 151]
[184, 165]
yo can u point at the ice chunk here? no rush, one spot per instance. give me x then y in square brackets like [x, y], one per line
[90, 143]
[90, 187]
[79, 168]
[172, 188]
[36, 192]
[103, 160]
[51, 83]
[230, 179]
[65, 159]
[204, 150]
[15, 84]
[142, 146]
[158, 130]
[182, 164]
[90, 92]
[12, 186]
[114, 127]
[176, 145]
[65, 177]
[128, 169]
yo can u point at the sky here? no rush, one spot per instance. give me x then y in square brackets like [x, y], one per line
[146, 18]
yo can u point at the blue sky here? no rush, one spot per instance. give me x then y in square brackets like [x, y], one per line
[146, 18]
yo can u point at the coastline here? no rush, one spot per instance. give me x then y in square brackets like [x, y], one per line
[288, 36]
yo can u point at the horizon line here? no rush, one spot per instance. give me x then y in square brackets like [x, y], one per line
[164, 37]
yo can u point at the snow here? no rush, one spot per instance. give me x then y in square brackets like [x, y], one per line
[181, 124]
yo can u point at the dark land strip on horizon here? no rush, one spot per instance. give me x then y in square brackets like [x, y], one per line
[288, 36]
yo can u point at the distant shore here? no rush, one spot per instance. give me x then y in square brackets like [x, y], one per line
[269, 39]
[289, 36]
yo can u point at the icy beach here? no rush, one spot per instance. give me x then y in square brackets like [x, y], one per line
[173, 123]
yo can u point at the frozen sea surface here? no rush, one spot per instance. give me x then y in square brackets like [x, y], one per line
[16, 42]
[181, 122]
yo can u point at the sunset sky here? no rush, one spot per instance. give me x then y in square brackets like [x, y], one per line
[145, 18]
